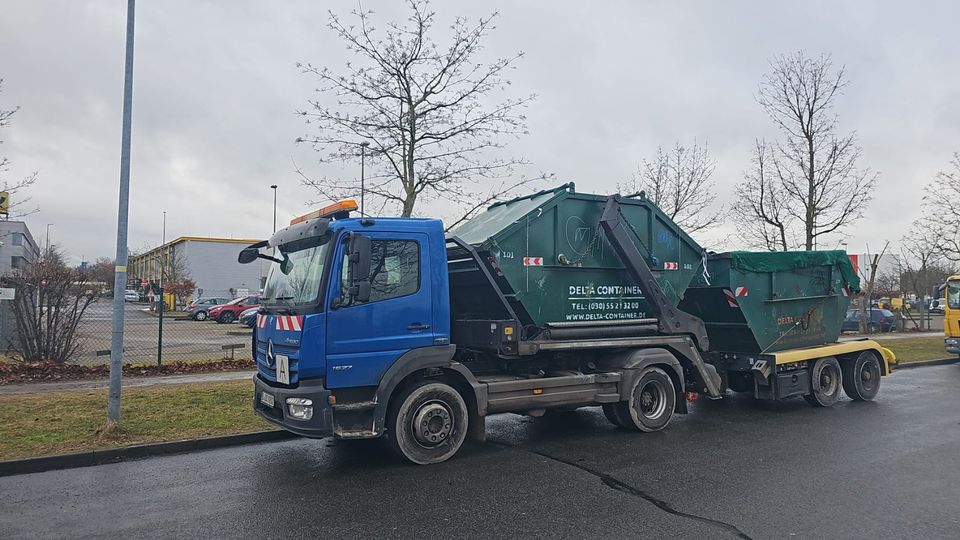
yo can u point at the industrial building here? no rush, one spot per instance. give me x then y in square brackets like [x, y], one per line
[17, 246]
[210, 262]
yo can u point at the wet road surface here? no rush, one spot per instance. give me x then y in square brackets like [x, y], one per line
[734, 468]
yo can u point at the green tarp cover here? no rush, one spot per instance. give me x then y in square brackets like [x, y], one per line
[774, 261]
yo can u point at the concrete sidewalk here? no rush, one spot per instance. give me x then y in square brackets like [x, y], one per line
[128, 382]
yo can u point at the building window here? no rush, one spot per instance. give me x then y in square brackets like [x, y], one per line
[17, 239]
[18, 262]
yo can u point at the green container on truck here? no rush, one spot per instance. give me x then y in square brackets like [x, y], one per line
[558, 266]
[763, 302]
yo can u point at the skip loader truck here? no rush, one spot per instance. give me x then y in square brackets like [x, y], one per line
[379, 326]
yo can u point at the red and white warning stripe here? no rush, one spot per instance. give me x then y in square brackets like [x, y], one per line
[671, 266]
[261, 321]
[731, 299]
[533, 261]
[290, 322]
[844, 291]
[742, 291]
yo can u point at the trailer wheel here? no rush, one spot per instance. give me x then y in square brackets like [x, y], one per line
[825, 382]
[427, 423]
[610, 411]
[651, 403]
[861, 376]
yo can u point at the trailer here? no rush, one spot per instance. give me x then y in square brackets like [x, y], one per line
[377, 327]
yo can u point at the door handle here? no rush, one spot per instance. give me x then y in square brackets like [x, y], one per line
[418, 326]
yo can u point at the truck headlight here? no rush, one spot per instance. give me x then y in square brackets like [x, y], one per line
[300, 408]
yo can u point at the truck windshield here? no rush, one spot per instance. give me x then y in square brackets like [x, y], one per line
[297, 281]
[953, 294]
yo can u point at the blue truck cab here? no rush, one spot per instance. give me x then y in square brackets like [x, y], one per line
[335, 321]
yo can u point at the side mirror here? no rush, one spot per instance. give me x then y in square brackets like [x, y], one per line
[251, 252]
[248, 255]
[358, 269]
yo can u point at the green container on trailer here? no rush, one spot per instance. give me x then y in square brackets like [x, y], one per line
[558, 266]
[761, 302]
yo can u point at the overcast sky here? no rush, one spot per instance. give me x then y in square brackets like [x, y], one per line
[216, 88]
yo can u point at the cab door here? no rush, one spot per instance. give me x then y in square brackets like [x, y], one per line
[365, 338]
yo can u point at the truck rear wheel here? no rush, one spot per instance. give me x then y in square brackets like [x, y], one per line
[427, 423]
[651, 402]
[825, 382]
[861, 376]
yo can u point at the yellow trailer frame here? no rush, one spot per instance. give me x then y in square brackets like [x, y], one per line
[792, 356]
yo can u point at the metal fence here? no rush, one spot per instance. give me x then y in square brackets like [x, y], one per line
[183, 339]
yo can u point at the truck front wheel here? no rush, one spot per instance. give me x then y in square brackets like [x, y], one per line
[427, 423]
[651, 402]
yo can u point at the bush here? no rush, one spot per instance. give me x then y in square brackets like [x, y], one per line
[50, 300]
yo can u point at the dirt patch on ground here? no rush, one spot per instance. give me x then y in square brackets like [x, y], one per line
[29, 372]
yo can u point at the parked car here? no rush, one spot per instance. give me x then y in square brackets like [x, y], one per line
[937, 306]
[229, 312]
[249, 317]
[131, 295]
[880, 320]
[198, 309]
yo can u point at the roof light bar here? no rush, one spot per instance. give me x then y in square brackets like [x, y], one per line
[341, 207]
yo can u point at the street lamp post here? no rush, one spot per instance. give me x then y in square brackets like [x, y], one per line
[47, 240]
[363, 158]
[274, 188]
[163, 299]
[120, 263]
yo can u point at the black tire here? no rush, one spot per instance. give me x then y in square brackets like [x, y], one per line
[226, 317]
[861, 376]
[436, 407]
[200, 316]
[651, 403]
[610, 411]
[826, 381]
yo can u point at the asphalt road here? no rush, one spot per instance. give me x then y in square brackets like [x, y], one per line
[734, 468]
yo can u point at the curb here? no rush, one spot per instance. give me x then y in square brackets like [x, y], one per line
[140, 451]
[926, 363]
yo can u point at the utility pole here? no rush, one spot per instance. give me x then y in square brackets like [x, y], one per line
[46, 248]
[120, 268]
[163, 296]
[363, 158]
[274, 188]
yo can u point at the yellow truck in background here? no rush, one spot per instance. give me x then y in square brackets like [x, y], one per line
[951, 314]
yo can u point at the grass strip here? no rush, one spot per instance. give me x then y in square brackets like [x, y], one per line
[33, 425]
[915, 349]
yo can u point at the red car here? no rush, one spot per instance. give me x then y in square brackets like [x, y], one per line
[229, 312]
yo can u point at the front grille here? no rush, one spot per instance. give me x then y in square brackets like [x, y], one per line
[269, 372]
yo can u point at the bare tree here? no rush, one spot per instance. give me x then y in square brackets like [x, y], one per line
[424, 110]
[15, 188]
[49, 303]
[866, 295]
[761, 211]
[811, 173]
[940, 202]
[680, 183]
[920, 264]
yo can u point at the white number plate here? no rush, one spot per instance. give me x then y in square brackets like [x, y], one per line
[283, 369]
[266, 399]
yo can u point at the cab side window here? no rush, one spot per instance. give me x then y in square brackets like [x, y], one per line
[394, 269]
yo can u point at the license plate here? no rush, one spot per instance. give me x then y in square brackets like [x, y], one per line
[283, 369]
[266, 399]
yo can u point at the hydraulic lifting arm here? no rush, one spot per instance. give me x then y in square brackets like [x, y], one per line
[671, 320]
